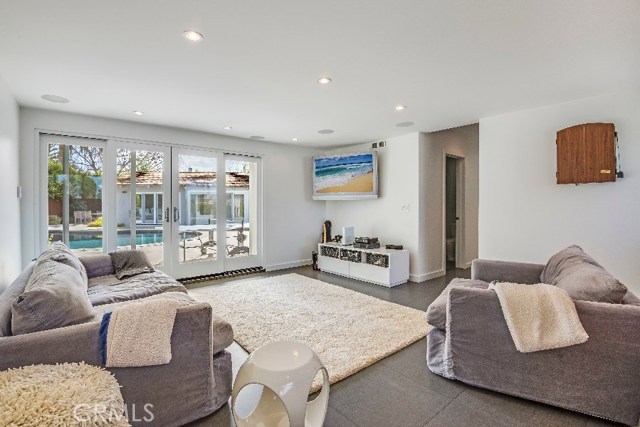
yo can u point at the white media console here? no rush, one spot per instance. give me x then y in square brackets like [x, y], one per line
[386, 267]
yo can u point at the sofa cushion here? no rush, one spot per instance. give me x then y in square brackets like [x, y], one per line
[109, 289]
[9, 295]
[59, 252]
[437, 311]
[182, 299]
[582, 277]
[97, 265]
[130, 263]
[55, 296]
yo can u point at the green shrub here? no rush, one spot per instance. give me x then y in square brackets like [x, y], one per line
[55, 220]
[96, 223]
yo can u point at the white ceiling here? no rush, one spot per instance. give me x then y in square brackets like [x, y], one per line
[451, 62]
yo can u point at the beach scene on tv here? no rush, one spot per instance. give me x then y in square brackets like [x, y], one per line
[344, 174]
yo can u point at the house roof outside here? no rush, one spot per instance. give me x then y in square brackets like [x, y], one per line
[233, 179]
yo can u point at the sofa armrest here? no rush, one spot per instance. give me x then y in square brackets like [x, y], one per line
[188, 377]
[505, 271]
[598, 377]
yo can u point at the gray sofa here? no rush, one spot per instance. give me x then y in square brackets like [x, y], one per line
[470, 342]
[194, 384]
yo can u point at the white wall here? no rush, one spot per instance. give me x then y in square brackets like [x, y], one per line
[10, 261]
[292, 220]
[526, 216]
[460, 142]
[411, 172]
[397, 185]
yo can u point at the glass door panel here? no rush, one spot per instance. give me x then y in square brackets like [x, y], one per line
[242, 220]
[74, 193]
[141, 181]
[195, 213]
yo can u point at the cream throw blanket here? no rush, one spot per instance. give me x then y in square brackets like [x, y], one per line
[540, 316]
[139, 334]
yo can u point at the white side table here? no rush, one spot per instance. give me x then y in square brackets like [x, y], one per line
[286, 371]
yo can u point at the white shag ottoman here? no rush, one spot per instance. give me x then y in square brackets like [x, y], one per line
[67, 394]
[286, 371]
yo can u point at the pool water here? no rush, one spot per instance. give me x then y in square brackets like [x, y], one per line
[92, 241]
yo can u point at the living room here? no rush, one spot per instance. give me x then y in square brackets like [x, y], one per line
[258, 92]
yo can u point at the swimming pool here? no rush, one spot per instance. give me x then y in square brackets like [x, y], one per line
[84, 240]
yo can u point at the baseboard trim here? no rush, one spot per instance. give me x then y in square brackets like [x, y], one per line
[419, 278]
[285, 265]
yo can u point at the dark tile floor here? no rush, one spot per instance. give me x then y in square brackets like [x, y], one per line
[400, 391]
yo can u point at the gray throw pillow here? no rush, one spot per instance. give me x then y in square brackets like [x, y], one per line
[98, 265]
[130, 263]
[59, 252]
[9, 295]
[582, 277]
[437, 311]
[55, 296]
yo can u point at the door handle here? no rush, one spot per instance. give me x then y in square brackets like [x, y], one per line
[176, 214]
[166, 214]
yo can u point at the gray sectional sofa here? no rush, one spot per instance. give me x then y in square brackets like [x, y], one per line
[194, 384]
[470, 342]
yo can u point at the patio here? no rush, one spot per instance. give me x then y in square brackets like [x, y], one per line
[197, 243]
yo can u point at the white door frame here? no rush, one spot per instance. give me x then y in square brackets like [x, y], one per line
[460, 210]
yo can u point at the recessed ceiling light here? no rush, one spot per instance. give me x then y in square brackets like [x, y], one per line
[401, 107]
[192, 35]
[257, 137]
[227, 128]
[138, 112]
[324, 80]
[294, 139]
[405, 124]
[326, 131]
[55, 98]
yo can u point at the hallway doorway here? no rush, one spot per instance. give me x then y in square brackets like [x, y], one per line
[453, 212]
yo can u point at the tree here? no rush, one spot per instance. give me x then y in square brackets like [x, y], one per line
[86, 158]
[146, 161]
[89, 159]
[55, 186]
[81, 184]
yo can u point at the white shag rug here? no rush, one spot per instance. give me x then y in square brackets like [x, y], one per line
[348, 330]
[67, 394]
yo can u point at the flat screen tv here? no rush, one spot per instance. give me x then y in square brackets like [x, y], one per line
[345, 177]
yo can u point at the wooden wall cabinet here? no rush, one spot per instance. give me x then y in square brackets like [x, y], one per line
[586, 153]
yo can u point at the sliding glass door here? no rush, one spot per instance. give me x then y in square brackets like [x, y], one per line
[74, 192]
[242, 213]
[142, 183]
[196, 194]
[193, 212]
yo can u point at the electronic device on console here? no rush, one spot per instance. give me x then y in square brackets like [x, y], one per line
[366, 240]
[366, 243]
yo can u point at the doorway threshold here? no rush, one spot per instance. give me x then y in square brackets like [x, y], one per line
[224, 275]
